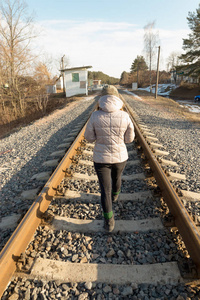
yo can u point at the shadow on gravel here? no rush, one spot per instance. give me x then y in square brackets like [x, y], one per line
[10, 195]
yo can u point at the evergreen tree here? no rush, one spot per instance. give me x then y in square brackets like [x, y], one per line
[138, 64]
[124, 79]
[192, 44]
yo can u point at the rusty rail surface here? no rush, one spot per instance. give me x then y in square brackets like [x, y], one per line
[183, 221]
[23, 234]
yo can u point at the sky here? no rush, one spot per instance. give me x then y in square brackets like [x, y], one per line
[107, 34]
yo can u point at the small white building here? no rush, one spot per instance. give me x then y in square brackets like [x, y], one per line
[75, 81]
[51, 89]
[96, 85]
[134, 86]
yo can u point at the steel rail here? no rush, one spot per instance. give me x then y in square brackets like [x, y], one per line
[183, 221]
[24, 232]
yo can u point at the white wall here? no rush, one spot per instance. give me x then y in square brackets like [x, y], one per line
[59, 83]
[134, 86]
[73, 88]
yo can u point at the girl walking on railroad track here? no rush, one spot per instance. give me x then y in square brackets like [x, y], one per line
[110, 128]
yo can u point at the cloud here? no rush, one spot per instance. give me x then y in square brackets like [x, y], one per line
[109, 47]
[171, 41]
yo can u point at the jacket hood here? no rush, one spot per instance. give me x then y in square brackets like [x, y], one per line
[110, 103]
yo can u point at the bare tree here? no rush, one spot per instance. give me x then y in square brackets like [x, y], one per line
[173, 60]
[42, 100]
[150, 44]
[42, 74]
[16, 32]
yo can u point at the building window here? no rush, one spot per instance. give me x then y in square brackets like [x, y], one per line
[75, 77]
[82, 84]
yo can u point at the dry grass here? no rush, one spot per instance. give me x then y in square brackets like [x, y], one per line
[186, 91]
[171, 105]
[9, 122]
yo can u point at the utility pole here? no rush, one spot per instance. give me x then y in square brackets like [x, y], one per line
[157, 75]
[63, 73]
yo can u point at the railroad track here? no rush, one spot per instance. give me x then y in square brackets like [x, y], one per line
[149, 244]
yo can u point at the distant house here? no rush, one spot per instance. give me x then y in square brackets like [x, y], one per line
[96, 82]
[56, 86]
[183, 75]
[75, 81]
[96, 85]
[51, 89]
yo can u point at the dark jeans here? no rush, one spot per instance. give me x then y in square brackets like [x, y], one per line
[109, 176]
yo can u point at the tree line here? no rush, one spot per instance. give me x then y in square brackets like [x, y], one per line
[142, 69]
[105, 79]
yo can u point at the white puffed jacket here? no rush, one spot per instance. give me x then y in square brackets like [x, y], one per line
[110, 128]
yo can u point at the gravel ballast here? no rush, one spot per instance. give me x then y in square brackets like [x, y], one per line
[179, 136]
[136, 248]
[23, 289]
[23, 152]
